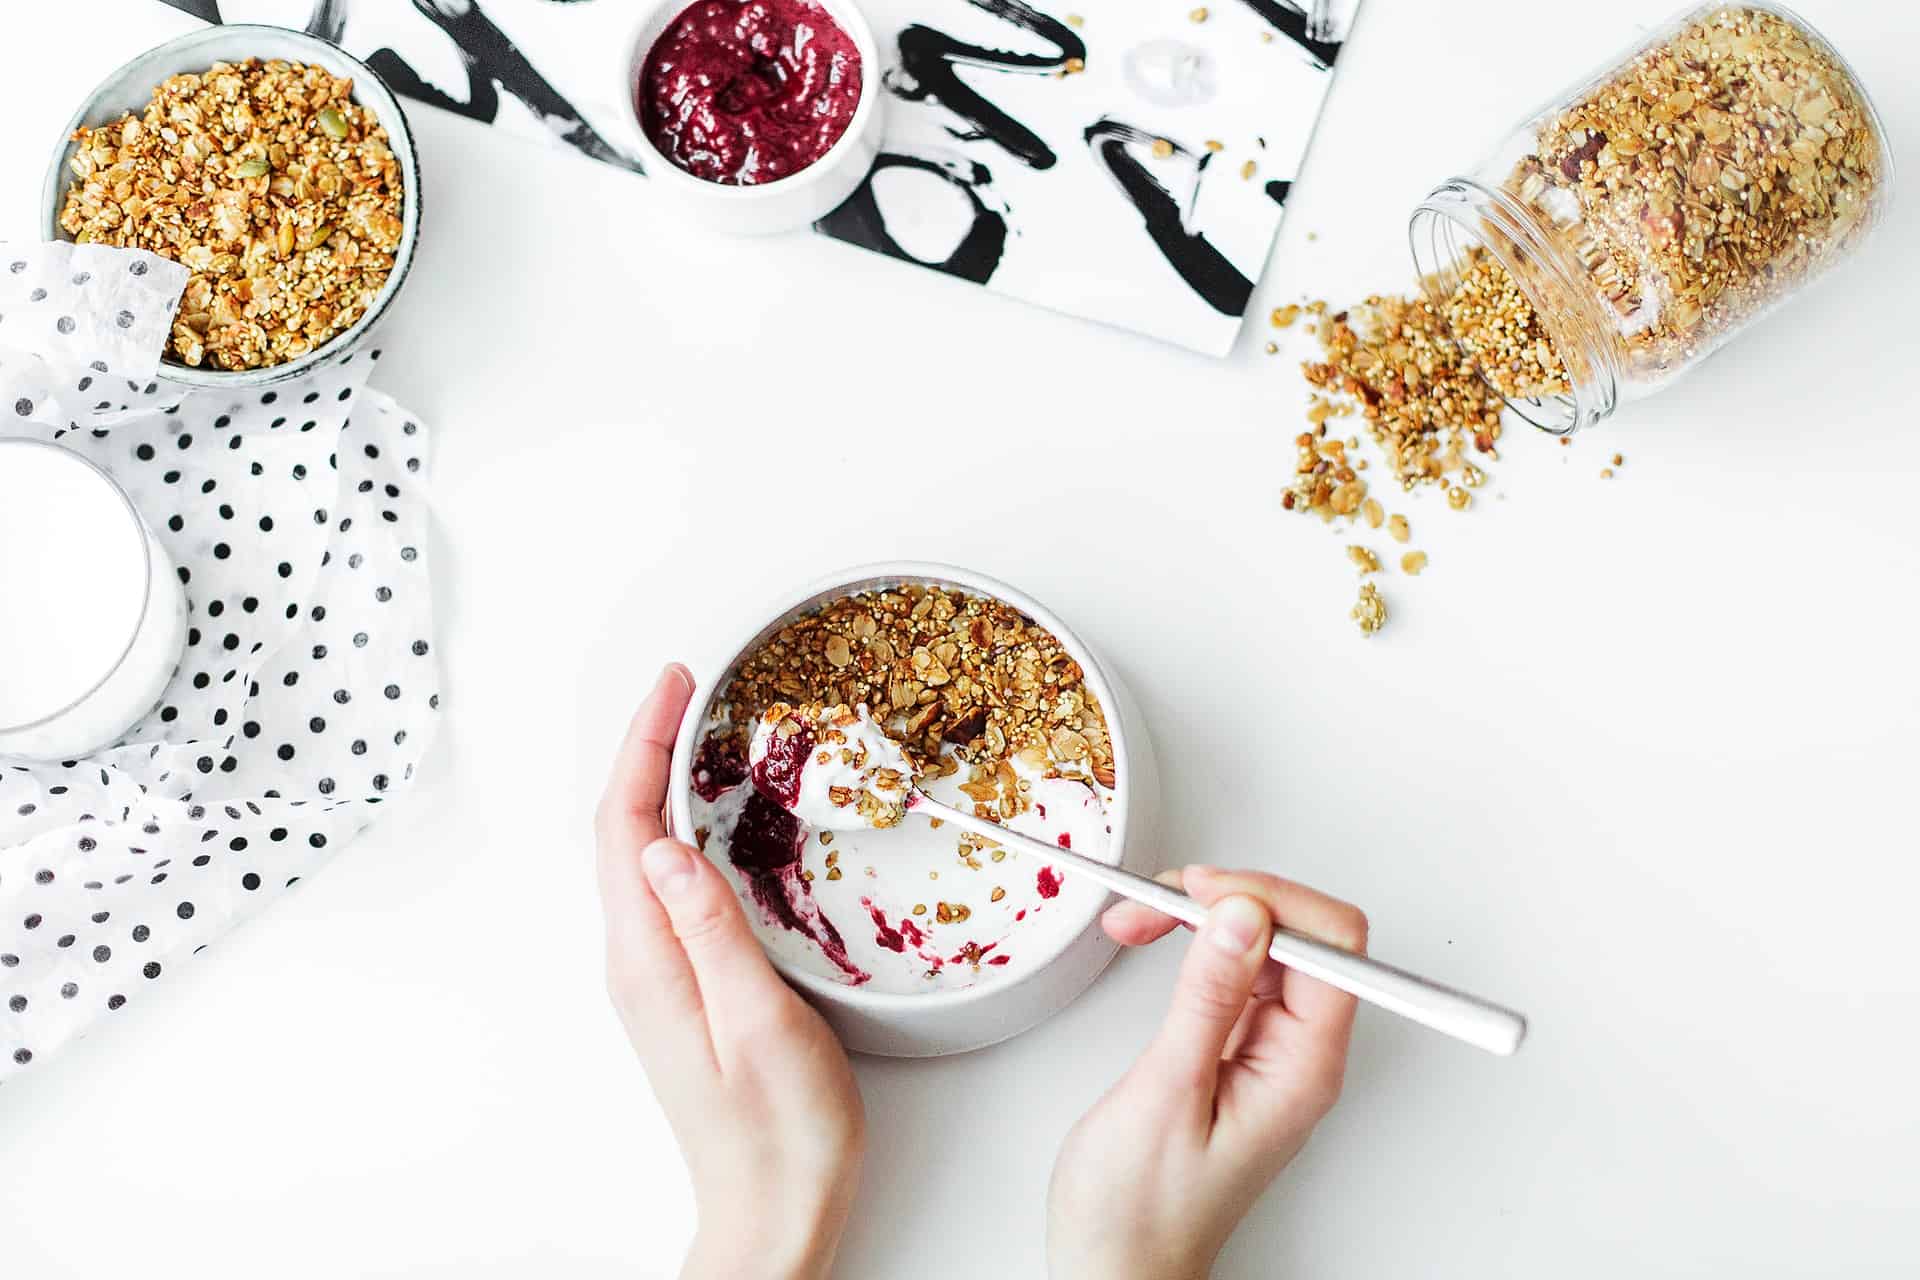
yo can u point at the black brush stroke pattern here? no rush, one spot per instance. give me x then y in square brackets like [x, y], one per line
[1290, 20]
[929, 68]
[1205, 269]
[860, 222]
[492, 62]
[1278, 189]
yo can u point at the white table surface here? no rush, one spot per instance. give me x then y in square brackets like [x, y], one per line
[1634, 755]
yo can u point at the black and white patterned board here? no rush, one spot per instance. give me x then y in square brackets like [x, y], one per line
[308, 689]
[996, 168]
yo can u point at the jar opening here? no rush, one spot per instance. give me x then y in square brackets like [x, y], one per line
[1461, 220]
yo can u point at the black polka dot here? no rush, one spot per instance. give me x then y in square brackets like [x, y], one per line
[114, 1002]
[141, 933]
[151, 969]
[102, 954]
[249, 881]
[23, 1056]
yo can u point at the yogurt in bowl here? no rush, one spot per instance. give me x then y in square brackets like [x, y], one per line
[912, 937]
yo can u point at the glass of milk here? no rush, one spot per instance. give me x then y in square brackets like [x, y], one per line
[92, 617]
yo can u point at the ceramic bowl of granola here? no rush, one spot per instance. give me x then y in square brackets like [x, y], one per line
[276, 168]
[917, 940]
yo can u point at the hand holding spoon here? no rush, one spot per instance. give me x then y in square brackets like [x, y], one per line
[859, 776]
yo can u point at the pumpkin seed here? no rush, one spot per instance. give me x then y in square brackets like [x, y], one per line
[333, 123]
[255, 168]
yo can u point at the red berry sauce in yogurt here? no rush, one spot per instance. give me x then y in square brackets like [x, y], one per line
[743, 92]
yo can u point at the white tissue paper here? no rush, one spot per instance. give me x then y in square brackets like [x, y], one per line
[308, 690]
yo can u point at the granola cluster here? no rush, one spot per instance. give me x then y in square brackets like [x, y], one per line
[1707, 178]
[265, 180]
[954, 678]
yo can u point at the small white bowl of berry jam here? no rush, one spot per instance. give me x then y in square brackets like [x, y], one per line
[755, 116]
[916, 939]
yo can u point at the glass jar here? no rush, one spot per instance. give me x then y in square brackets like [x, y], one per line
[92, 615]
[1656, 208]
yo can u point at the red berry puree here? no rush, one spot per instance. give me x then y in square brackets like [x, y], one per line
[749, 92]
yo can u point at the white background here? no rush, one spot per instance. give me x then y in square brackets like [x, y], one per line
[1635, 755]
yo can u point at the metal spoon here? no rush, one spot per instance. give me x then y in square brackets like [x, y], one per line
[1444, 1009]
[833, 787]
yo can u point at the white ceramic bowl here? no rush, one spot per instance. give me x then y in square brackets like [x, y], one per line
[954, 1021]
[784, 205]
[130, 89]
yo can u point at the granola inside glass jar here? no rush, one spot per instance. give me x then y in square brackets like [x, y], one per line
[1654, 209]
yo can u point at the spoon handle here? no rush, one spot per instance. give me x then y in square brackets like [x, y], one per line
[1444, 1009]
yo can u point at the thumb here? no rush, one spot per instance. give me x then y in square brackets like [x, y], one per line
[1215, 983]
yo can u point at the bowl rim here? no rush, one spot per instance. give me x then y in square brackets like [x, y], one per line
[646, 32]
[877, 576]
[369, 91]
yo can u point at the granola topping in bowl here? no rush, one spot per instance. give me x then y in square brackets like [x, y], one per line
[981, 708]
[270, 184]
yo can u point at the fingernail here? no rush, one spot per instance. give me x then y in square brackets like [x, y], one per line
[676, 671]
[668, 865]
[1234, 925]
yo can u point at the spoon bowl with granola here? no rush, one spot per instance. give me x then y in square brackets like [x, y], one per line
[921, 937]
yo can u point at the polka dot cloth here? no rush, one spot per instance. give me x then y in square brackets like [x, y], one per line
[309, 686]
